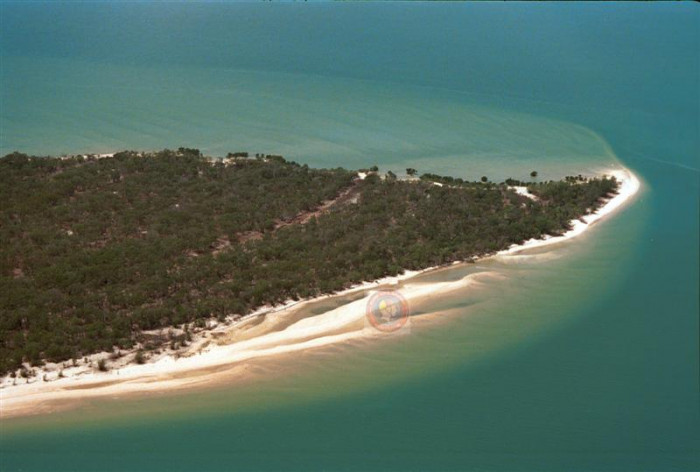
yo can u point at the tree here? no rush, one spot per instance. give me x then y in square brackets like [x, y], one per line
[374, 169]
[238, 154]
[411, 171]
[533, 173]
[189, 151]
[484, 179]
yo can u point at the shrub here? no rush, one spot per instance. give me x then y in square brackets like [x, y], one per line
[140, 358]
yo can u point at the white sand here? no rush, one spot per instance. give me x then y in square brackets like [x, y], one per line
[523, 191]
[337, 325]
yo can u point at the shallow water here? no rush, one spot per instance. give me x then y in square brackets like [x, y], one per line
[581, 357]
[322, 121]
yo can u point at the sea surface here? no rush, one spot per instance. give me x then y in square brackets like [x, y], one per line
[581, 356]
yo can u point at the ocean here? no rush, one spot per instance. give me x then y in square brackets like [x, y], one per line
[581, 356]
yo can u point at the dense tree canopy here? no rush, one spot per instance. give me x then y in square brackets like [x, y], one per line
[95, 251]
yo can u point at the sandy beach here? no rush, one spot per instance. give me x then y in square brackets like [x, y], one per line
[269, 331]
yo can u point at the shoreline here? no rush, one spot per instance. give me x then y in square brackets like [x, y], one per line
[176, 371]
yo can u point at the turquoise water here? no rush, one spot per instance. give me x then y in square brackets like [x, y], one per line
[585, 358]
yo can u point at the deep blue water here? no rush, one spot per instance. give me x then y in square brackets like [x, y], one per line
[465, 88]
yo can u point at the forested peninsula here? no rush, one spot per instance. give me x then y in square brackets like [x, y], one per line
[98, 251]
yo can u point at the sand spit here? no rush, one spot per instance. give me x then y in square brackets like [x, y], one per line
[271, 336]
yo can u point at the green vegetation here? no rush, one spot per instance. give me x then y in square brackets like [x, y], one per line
[443, 179]
[97, 251]
[140, 358]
